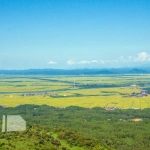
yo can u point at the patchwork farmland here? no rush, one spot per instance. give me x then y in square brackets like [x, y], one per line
[110, 92]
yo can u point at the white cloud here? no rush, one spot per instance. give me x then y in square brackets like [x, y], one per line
[87, 62]
[102, 62]
[52, 62]
[71, 62]
[143, 56]
[94, 61]
[126, 59]
[84, 62]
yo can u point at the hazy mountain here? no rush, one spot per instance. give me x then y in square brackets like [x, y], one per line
[76, 71]
[137, 71]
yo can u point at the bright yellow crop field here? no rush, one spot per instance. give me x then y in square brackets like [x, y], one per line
[65, 91]
[85, 101]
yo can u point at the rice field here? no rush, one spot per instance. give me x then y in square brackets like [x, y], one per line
[83, 91]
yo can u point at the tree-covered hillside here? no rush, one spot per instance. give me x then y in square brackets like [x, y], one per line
[93, 128]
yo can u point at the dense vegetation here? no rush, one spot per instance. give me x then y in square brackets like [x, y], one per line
[45, 138]
[85, 128]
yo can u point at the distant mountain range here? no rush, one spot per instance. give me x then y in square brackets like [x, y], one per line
[77, 71]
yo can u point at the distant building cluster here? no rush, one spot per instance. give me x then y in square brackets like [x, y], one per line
[141, 94]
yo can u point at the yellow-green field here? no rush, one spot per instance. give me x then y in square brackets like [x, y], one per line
[81, 91]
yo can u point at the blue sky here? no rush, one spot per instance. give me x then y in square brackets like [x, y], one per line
[73, 34]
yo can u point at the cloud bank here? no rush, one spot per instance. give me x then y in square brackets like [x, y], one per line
[82, 62]
[139, 58]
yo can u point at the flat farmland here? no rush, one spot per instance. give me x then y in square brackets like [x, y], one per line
[84, 91]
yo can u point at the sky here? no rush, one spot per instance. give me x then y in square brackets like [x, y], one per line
[71, 34]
